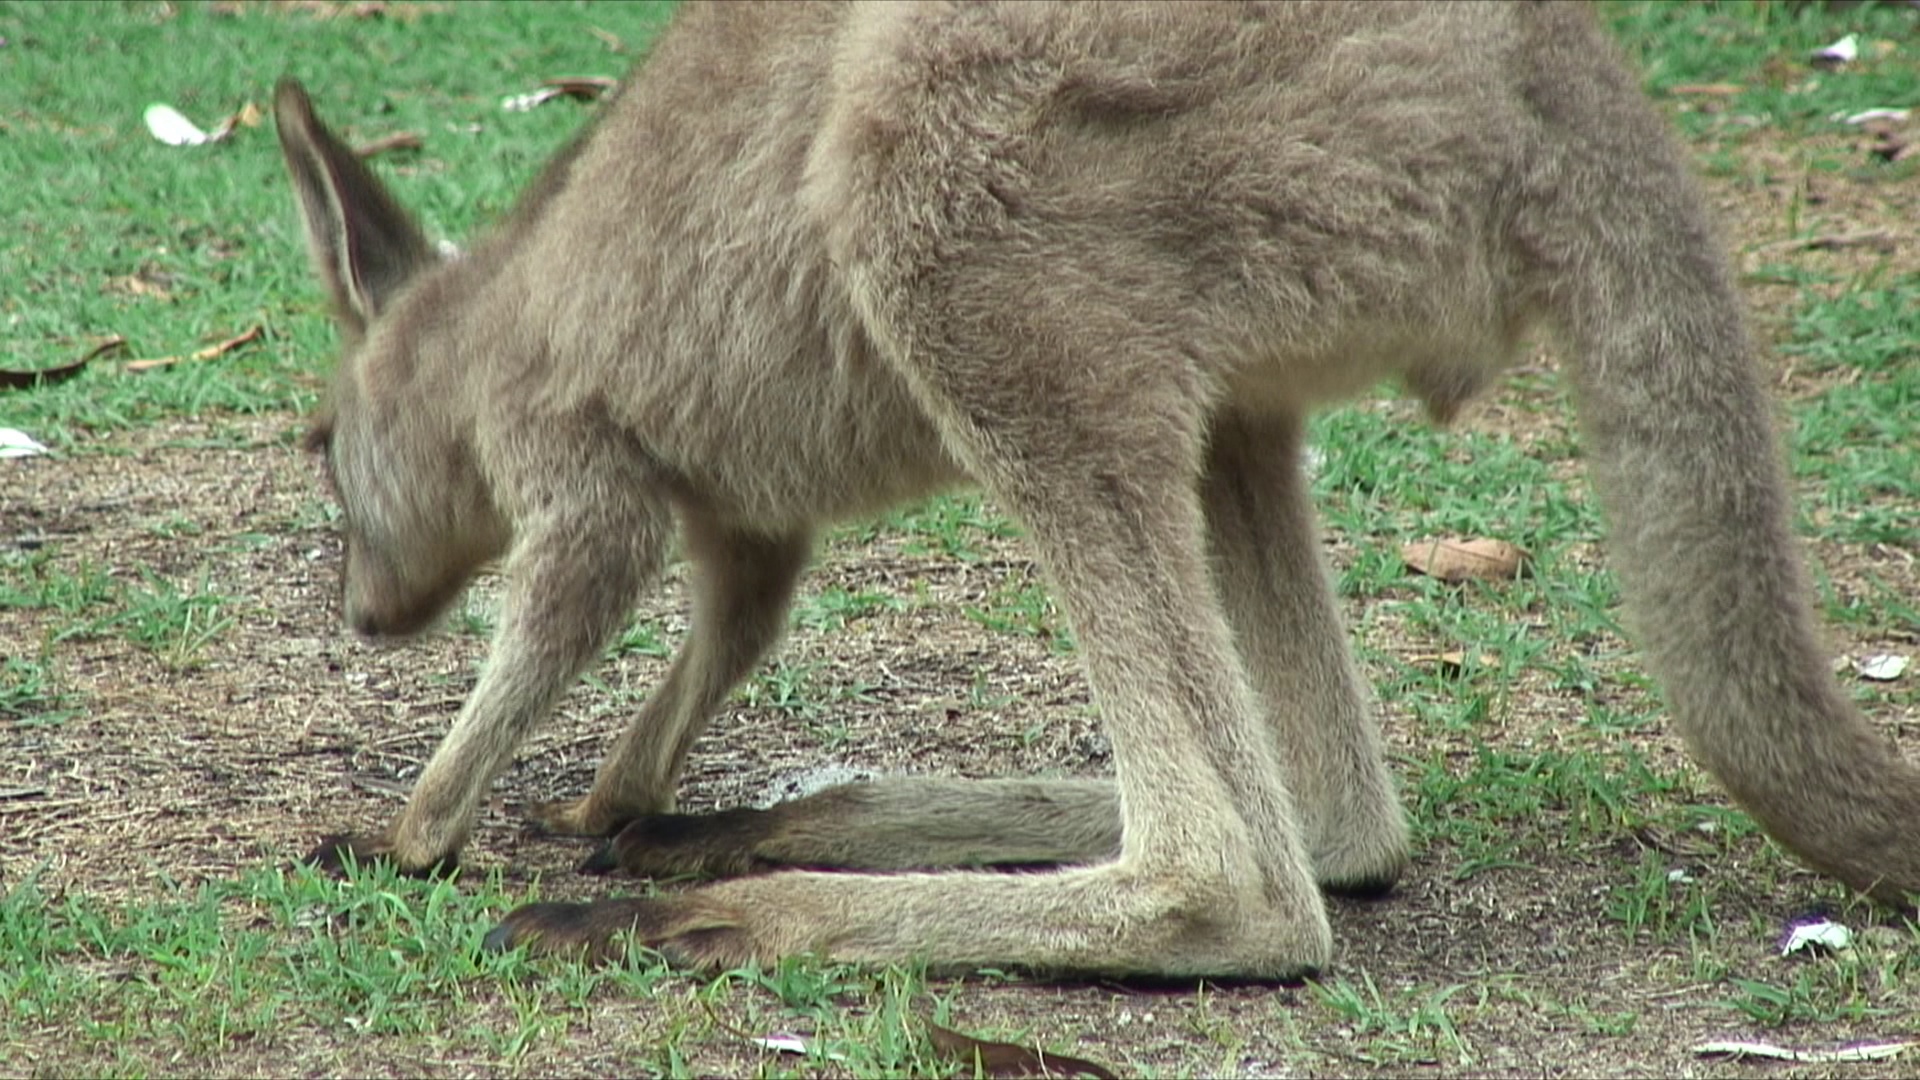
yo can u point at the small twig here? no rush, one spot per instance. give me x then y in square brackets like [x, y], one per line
[1878, 239]
[24, 380]
[399, 140]
[207, 353]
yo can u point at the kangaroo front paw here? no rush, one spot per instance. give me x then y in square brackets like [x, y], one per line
[689, 931]
[334, 854]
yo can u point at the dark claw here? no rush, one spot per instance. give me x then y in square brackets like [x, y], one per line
[686, 932]
[603, 861]
[556, 920]
[1362, 889]
[723, 844]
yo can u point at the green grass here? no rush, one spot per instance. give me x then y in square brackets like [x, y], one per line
[1856, 437]
[174, 623]
[833, 608]
[1022, 607]
[1414, 1027]
[232, 964]
[946, 524]
[33, 580]
[1762, 47]
[93, 200]
[167, 618]
[30, 693]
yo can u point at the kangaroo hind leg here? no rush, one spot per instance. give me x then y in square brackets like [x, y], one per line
[893, 823]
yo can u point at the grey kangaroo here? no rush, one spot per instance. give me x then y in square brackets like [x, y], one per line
[1101, 260]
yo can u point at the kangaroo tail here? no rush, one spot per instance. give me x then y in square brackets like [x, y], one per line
[1678, 430]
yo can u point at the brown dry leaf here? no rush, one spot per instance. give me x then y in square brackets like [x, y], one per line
[579, 88]
[1890, 142]
[27, 380]
[207, 353]
[1454, 661]
[991, 1058]
[137, 285]
[1718, 89]
[399, 140]
[1881, 240]
[583, 87]
[247, 115]
[1456, 559]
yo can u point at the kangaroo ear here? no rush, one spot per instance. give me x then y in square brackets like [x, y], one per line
[364, 245]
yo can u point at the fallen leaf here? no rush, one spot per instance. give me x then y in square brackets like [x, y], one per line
[164, 122]
[988, 1058]
[1718, 89]
[1861, 1052]
[1877, 239]
[247, 115]
[1454, 661]
[1896, 116]
[1890, 145]
[26, 380]
[1885, 667]
[793, 1044]
[530, 100]
[399, 140]
[1844, 51]
[135, 285]
[167, 124]
[582, 88]
[15, 443]
[786, 1044]
[1819, 934]
[1455, 559]
[207, 353]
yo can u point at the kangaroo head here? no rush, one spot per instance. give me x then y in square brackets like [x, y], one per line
[417, 517]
